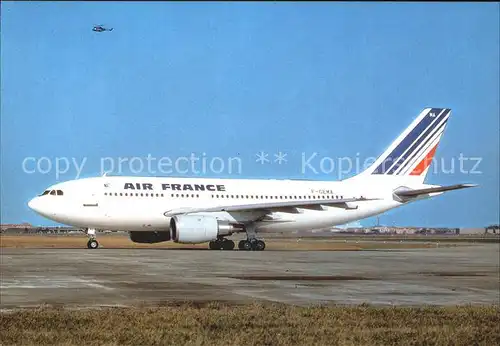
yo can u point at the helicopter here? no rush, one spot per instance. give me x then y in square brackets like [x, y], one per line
[100, 28]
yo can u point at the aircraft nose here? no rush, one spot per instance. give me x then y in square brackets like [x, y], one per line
[43, 207]
[33, 204]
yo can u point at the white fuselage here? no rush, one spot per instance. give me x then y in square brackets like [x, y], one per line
[139, 203]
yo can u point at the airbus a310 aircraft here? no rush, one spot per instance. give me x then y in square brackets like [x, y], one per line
[197, 210]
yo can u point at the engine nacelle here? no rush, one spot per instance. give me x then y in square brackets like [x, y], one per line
[199, 228]
[149, 237]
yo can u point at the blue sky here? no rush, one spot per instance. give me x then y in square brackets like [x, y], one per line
[230, 80]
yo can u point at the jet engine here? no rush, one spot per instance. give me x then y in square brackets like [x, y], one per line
[149, 237]
[199, 228]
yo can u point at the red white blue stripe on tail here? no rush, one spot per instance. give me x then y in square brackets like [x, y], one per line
[412, 152]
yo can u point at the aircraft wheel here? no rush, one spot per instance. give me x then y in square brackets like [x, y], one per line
[228, 245]
[247, 245]
[259, 245]
[214, 245]
[241, 244]
[92, 244]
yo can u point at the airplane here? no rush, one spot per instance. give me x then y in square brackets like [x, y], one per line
[100, 28]
[199, 210]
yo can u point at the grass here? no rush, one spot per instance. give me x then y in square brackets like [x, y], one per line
[123, 242]
[253, 324]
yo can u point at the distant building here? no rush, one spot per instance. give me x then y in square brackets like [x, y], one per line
[494, 229]
[25, 225]
[472, 230]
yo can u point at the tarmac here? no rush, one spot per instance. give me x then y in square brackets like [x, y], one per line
[137, 277]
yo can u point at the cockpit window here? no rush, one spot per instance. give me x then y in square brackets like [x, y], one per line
[52, 192]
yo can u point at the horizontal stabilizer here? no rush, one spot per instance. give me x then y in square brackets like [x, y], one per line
[419, 192]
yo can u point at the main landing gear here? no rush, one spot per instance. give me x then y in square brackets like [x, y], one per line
[221, 244]
[92, 243]
[251, 245]
[245, 245]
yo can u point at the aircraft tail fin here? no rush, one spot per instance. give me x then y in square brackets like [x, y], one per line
[411, 153]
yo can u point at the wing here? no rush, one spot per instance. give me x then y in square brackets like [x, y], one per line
[289, 206]
[418, 192]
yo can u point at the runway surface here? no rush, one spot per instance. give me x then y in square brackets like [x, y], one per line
[128, 277]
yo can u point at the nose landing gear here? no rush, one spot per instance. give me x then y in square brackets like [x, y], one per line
[92, 243]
